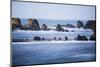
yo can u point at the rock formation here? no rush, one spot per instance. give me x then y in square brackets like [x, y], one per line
[37, 38]
[32, 25]
[93, 37]
[44, 27]
[80, 24]
[16, 24]
[91, 24]
[81, 38]
[59, 28]
[66, 38]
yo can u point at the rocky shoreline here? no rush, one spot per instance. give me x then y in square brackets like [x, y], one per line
[33, 25]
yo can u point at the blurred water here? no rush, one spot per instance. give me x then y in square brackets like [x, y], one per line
[44, 53]
[51, 34]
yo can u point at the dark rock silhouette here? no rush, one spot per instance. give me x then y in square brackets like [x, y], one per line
[16, 24]
[59, 38]
[43, 38]
[37, 38]
[91, 24]
[80, 24]
[93, 37]
[81, 38]
[70, 26]
[66, 38]
[32, 24]
[21, 40]
[44, 27]
[55, 38]
[59, 28]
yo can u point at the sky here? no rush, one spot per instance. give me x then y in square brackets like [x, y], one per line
[52, 11]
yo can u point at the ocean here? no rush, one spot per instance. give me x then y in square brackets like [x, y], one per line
[25, 53]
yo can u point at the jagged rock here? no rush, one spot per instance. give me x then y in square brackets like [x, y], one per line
[70, 26]
[59, 28]
[37, 38]
[80, 24]
[81, 38]
[93, 37]
[32, 25]
[16, 24]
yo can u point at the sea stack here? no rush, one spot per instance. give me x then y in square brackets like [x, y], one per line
[16, 24]
[32, 24]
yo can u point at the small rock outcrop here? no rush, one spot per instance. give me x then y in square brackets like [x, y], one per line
[59, 28]
[66, 38]
[91, 24]
[44, 27]
[37, 38]
[81, 38]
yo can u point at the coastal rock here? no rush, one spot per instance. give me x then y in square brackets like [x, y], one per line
[44, 27]
[32, 24]
[80, 24]
[93, 37]
[91, 24]
[66, 38]
[37, 38]
[81, 38]
[16, 24]
[59, 28]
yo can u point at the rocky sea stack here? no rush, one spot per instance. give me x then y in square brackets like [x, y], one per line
[16, 24]
[32, 24]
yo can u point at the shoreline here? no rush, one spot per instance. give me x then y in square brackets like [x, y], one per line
[44, 42]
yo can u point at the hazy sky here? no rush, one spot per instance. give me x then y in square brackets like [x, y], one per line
[52, 11]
